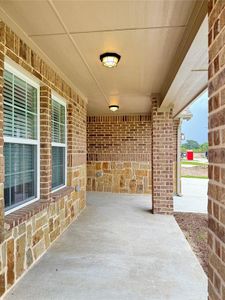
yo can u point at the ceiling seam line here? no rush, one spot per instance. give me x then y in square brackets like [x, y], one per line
[109, 30]
[78, 51]
[41, 53]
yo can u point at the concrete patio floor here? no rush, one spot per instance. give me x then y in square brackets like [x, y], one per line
[116, 250]
[194, 196]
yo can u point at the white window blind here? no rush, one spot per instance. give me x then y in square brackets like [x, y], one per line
[20, 140]
[58, 144]
[20, 108]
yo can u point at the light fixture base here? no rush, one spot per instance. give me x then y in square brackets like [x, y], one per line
[114, 107]
[110, 59]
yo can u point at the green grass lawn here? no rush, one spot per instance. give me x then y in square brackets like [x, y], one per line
[193, 163]
[191, 176]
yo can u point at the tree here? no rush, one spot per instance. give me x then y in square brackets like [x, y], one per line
[191, 145]
[204, 147]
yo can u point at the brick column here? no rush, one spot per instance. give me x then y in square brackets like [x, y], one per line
[45, 144]
[162, 160]
[70, 142]
[2, 204]
[216, 189]
[176, 157]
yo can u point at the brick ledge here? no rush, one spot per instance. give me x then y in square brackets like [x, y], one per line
[25, 213]
[67, 190]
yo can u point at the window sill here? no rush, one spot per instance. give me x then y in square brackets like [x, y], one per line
[23, 214]
[64, 191]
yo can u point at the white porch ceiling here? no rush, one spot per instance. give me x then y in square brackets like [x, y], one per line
[73, 34]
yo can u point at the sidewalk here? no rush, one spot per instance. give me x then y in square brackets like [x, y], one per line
[194, 196]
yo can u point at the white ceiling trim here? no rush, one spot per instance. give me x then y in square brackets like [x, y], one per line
[193, 69]
[78, 51]
[193, 99]
[195, 21]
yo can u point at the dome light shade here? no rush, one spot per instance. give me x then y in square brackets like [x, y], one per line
[110, 59]
[113, 107]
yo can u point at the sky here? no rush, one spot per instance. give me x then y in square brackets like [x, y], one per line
[197, 128]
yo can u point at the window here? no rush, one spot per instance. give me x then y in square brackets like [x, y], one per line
[58, 143]
[20, 138]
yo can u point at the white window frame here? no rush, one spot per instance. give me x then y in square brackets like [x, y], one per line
[35, 83]
[63, 102]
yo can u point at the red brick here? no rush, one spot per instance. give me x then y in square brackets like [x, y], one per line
[163, 145]
[216, 190]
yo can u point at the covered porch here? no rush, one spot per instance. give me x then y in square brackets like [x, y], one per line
[91, 101]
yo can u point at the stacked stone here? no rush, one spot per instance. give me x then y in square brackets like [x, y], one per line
[119, 177]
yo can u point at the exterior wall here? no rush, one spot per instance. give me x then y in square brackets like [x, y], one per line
[26, 242]
[119, 177]
[29, 231]
[176, 155]
[163, 146]
[119, 151]
[1, 152]
[216, 189]
[45, 142]
[175, 131]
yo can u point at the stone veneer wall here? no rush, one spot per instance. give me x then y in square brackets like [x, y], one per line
[119, 177]
[28, 232]
[119, 152]
[216, 189]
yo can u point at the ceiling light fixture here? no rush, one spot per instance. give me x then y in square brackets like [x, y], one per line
[113, 107]
[110, 59]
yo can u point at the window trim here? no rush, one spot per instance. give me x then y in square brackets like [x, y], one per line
[63, 102]
[23, 75]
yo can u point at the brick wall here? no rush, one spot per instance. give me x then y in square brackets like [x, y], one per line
[28, 232]
[119, 151]
[176, 124]
[1, 150]
[163, 146]
[216, 190]
[45, 143]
